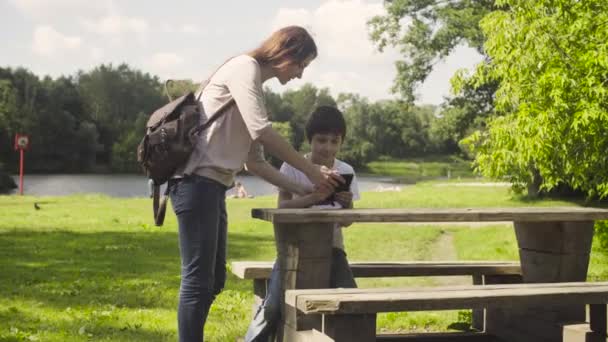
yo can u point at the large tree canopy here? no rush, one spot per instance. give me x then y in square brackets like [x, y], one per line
[551, 58]
[425, 31]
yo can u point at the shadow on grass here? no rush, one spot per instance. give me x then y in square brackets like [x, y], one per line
[578, 200]
[124, 269]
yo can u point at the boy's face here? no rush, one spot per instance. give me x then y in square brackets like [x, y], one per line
[324, 147]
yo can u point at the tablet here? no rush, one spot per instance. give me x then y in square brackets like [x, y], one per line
[348, 177]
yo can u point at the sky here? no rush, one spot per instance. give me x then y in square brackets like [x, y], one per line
[187, 39]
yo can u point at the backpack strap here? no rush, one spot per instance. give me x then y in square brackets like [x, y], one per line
[219, 112]
[213, 118]
[159, 205]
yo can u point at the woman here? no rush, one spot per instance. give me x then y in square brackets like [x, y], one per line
[236, 138]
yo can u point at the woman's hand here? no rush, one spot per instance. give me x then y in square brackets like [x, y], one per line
[303, 190]
[327, 179]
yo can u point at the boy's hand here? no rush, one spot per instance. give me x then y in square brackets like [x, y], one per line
[320, 194]
[331, 179]
[345, 198]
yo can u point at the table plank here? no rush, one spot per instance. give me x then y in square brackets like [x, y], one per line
[524, 214]
[363, 301]
[262, 269]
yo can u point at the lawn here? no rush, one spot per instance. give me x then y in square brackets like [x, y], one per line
[412, 170]
[91, 267]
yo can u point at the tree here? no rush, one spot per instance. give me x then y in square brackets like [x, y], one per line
[114, 97]
[124, 151]
[464, 114]
[357, 149]
[550, 57]
[300, 103]
[278, 110]
[8, 108]
[426, 31]
[284, 129]
[177, 88]
[51, 112]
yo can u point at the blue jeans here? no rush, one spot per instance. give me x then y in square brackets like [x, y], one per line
[263, 327]
[200, 206]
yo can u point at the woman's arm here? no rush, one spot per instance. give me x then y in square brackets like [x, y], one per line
[264, 170]
[277, 146]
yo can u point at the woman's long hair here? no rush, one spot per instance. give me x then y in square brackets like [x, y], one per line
[291, 44]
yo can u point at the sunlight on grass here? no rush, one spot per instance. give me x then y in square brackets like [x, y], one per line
[91, 267]
[416, 169]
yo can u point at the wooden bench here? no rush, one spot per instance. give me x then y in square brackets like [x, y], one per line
[350, 314]
[259, 271]
[554, 246]
[482, 272]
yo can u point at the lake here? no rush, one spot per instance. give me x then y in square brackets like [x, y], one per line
[129, 185]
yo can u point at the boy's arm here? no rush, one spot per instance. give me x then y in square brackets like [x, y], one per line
[257, 164]
[267, 172]
[274, 143]
[286, 200]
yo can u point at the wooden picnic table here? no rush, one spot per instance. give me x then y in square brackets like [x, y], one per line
[554, 246]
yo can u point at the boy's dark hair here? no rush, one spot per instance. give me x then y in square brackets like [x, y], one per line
[325, 119]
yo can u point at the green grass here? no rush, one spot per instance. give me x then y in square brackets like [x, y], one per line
[94, 268]
[411, 170]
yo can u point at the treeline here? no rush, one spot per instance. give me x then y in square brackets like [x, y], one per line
[539, 97]
[93, 121]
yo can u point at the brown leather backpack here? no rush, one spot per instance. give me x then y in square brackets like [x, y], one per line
[171, 133]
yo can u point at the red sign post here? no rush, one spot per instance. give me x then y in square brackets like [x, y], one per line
[22, 142]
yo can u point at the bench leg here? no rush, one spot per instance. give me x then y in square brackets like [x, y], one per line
[477, 319]
[597, 318]
[350, 328]
[480, 316]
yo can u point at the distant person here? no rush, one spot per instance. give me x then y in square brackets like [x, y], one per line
[238, 137]
[325, 131]
[240, 191]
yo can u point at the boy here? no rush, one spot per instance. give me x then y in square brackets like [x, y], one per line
[325, 131]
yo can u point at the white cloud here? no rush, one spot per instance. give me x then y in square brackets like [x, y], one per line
[48, 41]
[116, 25]
[348, 60]
[96, 53]
[340, 30]
[164, 61]
[190, 28]
[437, 85]
[185, 28]
[59, 8]
[292, 16]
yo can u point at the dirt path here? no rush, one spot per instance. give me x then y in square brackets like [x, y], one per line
[444, 250]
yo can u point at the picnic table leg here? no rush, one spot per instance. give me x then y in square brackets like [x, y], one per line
[304, 256]
[549, 252]
[595, 331]
[350, 328]
[477, 316]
